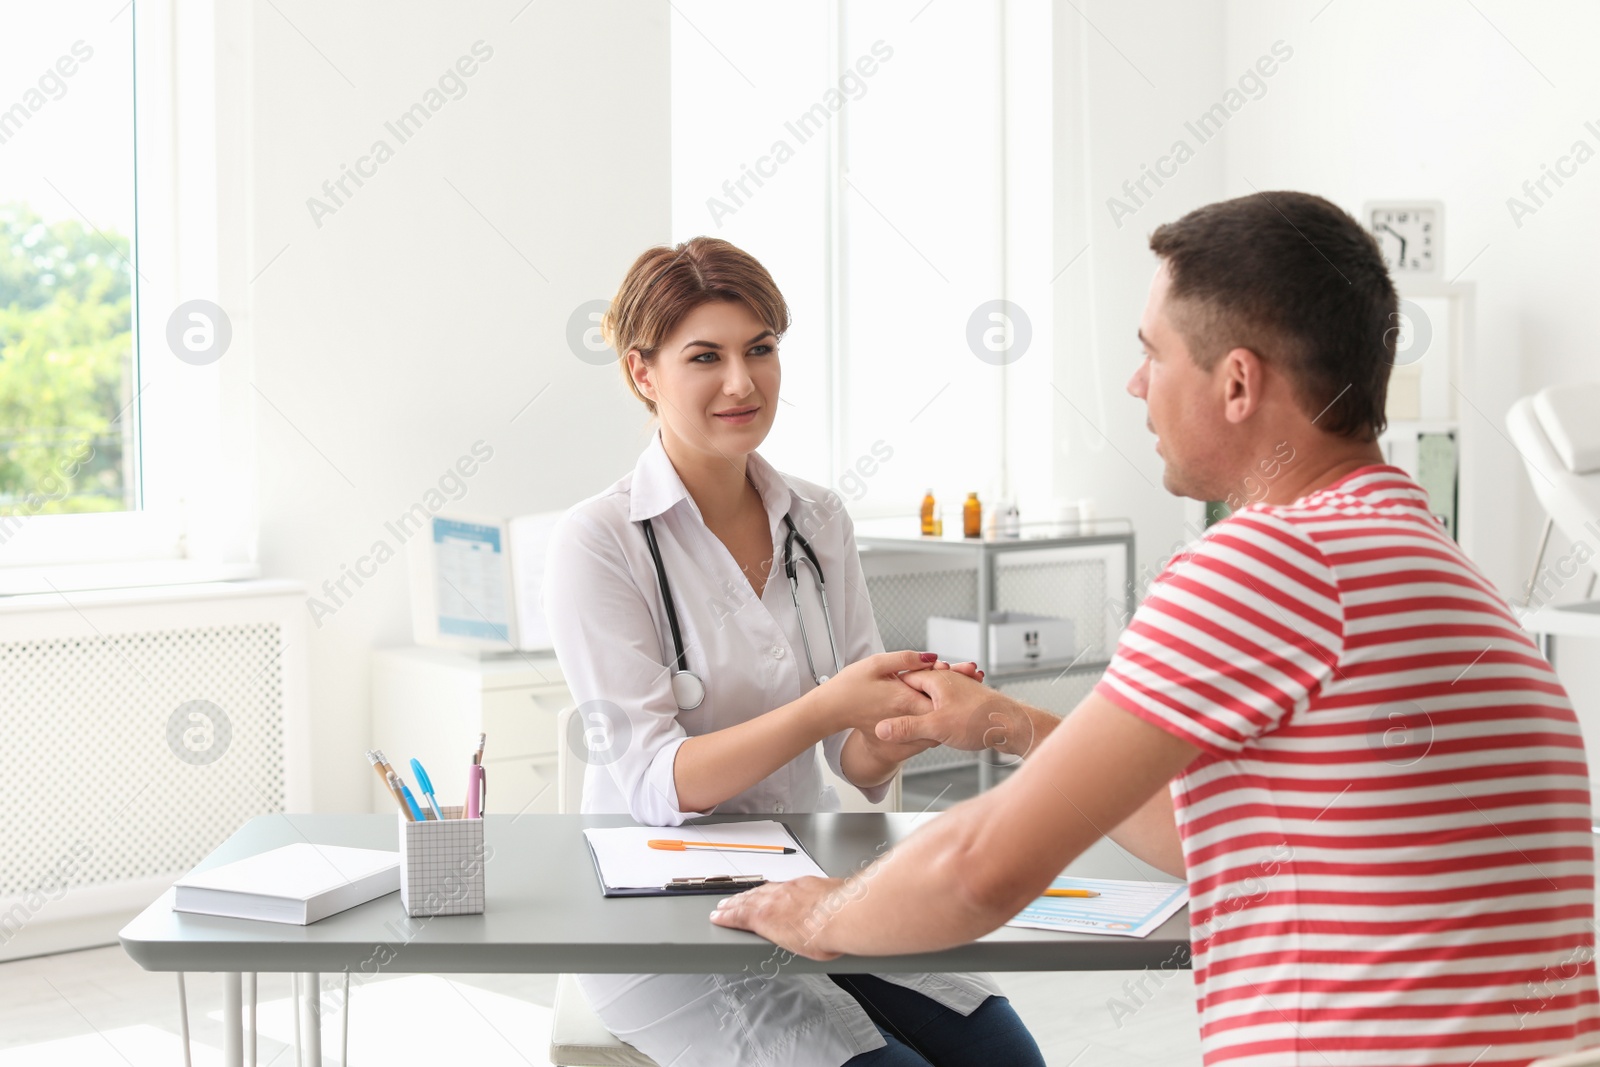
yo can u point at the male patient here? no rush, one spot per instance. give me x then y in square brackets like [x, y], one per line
[1322, 714]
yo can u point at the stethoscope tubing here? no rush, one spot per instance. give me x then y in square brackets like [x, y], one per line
[688, 689]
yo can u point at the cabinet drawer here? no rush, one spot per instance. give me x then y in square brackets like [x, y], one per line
[521, 722]
[521, 786]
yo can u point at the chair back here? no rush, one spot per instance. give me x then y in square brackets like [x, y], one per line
[1570, 497]
[569, 768]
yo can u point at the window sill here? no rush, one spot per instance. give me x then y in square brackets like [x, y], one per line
[78, 577]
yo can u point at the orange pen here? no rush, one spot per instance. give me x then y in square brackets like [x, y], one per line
[717, 846]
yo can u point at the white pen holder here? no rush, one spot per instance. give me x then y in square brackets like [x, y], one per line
[441, 865]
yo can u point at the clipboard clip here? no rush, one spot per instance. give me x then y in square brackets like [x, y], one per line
[733, 882]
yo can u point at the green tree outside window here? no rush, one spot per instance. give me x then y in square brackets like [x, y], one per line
[66, 359]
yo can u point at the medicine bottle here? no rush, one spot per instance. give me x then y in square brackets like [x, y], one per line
[972, 517]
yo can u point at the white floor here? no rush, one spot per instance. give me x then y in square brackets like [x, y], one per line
[96, 1007]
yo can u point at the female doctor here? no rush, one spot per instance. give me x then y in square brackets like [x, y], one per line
[713, 676]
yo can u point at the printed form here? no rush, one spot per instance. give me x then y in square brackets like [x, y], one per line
[1123, 908]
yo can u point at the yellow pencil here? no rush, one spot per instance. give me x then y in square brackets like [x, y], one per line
[1071, 893]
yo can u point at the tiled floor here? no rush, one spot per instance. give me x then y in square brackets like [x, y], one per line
[97, 1007]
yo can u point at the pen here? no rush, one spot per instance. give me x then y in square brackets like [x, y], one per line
[716, 846]
[413, 812]
[476, 791]
[426, 786]
[476, 794]
[1071, 893]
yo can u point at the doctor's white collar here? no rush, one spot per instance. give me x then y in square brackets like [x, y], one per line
[656, 487]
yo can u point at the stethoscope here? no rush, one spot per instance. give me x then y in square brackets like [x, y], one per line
[687, 688]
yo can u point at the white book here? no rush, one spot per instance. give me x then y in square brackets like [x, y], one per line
[297, 883]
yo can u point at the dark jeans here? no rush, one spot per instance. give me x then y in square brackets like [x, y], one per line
[923, 1033]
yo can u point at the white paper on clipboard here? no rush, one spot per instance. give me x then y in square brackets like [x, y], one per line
[627, 861]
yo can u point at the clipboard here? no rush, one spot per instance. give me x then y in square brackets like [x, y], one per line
[719, 885]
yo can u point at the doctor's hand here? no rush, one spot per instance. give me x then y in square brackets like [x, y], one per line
[966, 714]
[789, 914]
[870, 689]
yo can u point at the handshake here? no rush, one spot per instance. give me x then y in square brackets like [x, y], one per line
[905, 702]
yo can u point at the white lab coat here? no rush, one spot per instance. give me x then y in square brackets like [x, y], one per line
[610, 629]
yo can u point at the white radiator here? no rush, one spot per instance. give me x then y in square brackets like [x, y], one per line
[138, 729]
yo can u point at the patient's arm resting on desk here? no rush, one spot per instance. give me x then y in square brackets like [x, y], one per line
[980, 863]
[967, 715]
[1151, 833]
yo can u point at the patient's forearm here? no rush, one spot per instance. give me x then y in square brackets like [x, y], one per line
[1030, 727]
[1151, 833]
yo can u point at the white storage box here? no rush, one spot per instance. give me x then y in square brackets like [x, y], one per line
[1015, 639]
[441, 865]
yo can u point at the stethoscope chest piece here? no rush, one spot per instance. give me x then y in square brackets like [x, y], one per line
[688, 690]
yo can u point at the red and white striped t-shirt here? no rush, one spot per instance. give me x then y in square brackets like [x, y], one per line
[1388, 835]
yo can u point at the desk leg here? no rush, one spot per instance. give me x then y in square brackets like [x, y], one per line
[183, 1021]
[311, 1018]
[232, 1020]
[254, 1048]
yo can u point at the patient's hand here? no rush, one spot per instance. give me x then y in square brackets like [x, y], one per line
[969, 669]
[965, 714]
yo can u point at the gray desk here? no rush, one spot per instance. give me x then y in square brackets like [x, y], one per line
[544, 914]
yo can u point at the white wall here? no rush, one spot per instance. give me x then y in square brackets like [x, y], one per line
[414, 321]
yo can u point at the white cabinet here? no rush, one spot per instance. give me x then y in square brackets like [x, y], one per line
[432, 703]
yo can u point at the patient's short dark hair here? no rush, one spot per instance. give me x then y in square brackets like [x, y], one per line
[1296, 280]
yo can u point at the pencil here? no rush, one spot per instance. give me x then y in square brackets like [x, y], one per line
[400, 797]
[375, 758]
[1071, 893]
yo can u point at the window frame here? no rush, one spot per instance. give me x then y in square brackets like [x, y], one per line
[192, 459]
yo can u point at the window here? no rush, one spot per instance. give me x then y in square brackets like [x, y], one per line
[861, 162]
[122, 461]
[734, 99]
[68, 368]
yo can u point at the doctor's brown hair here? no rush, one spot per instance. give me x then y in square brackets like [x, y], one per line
[665, 284]
[1297, 281]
